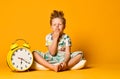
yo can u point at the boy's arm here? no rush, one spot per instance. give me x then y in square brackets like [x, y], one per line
[53, 47]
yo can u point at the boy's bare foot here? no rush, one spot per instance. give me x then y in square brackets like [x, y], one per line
[57, 68]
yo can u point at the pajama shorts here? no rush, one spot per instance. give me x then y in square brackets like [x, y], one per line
[60, 57]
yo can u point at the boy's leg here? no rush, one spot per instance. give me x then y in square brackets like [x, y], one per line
[73, 61]
[43, 62]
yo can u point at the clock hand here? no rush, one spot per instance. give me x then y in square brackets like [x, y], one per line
[19, 58]
[25, 61]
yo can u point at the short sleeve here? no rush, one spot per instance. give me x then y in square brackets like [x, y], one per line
[48, 40]
[68, 41]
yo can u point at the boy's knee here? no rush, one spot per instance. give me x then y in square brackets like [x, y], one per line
[79, 55]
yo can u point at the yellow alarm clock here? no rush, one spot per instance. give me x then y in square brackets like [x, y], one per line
[20, 57]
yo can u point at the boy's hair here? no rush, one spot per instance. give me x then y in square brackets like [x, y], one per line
[57, 14]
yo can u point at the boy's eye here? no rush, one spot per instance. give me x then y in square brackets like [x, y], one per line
[57, 24]
[54, 24]
[60, 24]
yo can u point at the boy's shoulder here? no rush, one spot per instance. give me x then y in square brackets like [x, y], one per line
[65, 35]
[49, 35]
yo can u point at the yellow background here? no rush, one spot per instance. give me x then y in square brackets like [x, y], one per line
[93, 25]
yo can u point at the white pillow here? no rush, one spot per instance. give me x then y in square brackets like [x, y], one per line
[37, 66]
[79, 65]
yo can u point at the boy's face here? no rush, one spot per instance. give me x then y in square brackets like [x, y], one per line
[57, 24]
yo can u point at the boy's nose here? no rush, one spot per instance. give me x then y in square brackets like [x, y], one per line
[57, 26]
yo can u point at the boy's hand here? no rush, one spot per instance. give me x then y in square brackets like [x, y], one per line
[56, 34]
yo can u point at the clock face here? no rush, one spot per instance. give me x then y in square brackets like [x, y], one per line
[22, 59]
